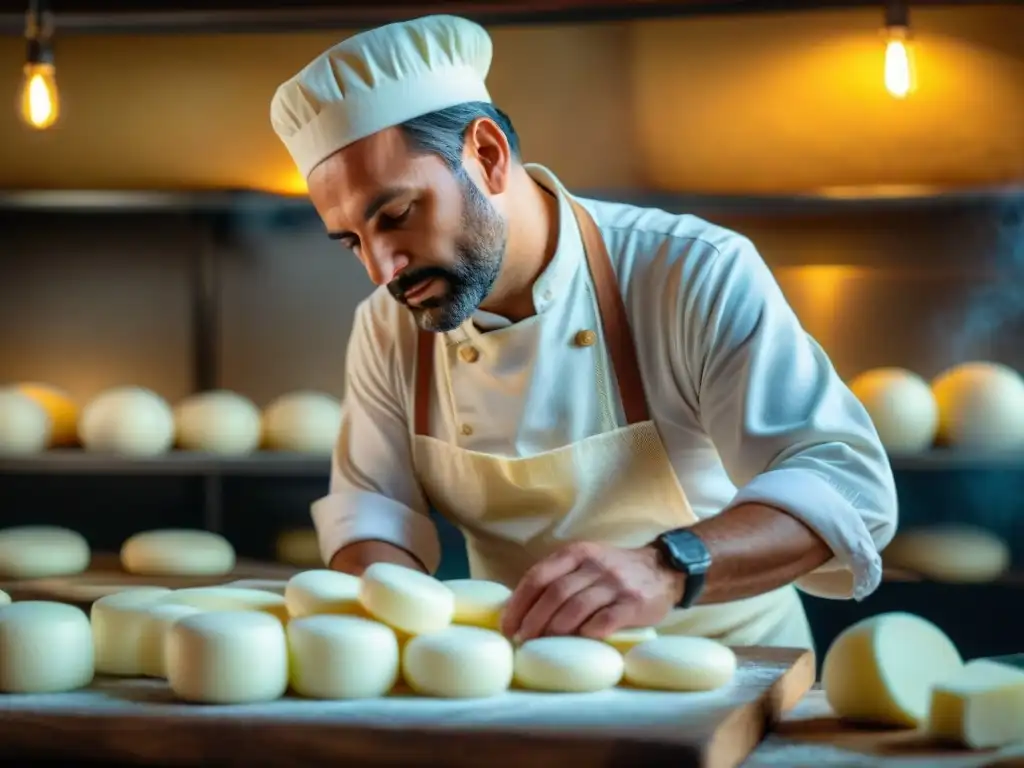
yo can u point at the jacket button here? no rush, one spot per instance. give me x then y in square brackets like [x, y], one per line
[467, 430]
[469, 354]
[585, 338]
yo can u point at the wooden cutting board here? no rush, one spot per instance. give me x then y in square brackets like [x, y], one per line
[138, 722]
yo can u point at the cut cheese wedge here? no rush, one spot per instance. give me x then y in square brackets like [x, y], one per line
[980, 706]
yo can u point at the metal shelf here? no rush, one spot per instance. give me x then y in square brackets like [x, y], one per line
[180, 463]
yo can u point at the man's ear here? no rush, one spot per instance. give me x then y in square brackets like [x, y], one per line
[487, 149]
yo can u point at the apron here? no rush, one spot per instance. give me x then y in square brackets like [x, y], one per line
[617, 487]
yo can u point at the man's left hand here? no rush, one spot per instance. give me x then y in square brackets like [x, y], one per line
[592, 590]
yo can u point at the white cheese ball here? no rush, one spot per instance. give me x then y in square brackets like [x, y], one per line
[678, 663]
[227, 657]
[155, 622]
[304, 422]
[478, 603]
[117, 625]
[625, 639]
[130, 421]
[981, 406]
[459, 662]
[62, 409]
[220, 422]
[230, 599]
[277, 586]
[567, 665]
[342, 657]
[178, 552]
[881, 670]
[44, 648]
[950, 553]
[902, 407]
[40, 551]
[407, 600]
[25, 426]
[321, 591]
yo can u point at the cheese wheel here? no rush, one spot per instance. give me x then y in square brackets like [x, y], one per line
[5, 599]
[304, 422]
[130, 421]
[313, 592]
[902, 407]
[625, 639]
[458, 662]
[478, 602]
[679, 663]
[568, 665]
[980, 706]
[155, 622]
[178, 552]
[950, 553]
[25, 426]
[117, 627]
[230, 599]
[299, 548]
[981, 406]
[39, 551]
[45, 647]
[219, 422]
[881, 670]
[227, 657]
[63, 412]
[342, 657]
[277, 586]
[408, 600]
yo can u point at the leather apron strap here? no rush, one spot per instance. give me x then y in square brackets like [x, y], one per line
[618, 336]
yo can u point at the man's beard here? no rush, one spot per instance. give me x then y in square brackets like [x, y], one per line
[479, 252]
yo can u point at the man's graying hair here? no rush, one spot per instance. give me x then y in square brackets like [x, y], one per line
[443, 132]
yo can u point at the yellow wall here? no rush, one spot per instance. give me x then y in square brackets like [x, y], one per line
[720, 104]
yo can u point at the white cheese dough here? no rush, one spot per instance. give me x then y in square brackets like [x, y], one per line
[342, 657]
[459, 662]
[680, 663]
[117, 627]
[219, 422]
[25, 426]
[625, 639]
[227, 657]
[304, 422]
[131, 421]
[230, 599]
[405, 599]
[277, 586]
[980, 707]
[178, 552]
[299, 547]
[44, 648]
[155, 622]
[950, 553]
[901, 406]
[478, 602]
[981, 406]
[881, 670]
[567, 665]
[5, 599]
[321, 591]
[39, 551]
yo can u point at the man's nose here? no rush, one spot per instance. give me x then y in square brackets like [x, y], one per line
[383, 265]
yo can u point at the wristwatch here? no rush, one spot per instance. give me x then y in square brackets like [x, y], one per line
[683, 551]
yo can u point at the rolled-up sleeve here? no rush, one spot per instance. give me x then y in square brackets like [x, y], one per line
[374, 494]
[790, 434]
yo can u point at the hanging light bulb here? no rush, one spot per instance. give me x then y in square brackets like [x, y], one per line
[40, 103]
[899, 60]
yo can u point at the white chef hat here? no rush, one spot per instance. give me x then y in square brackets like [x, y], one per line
[378, 79]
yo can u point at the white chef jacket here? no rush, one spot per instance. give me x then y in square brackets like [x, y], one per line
[748, 405]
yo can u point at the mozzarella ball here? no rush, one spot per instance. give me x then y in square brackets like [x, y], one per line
[130, 421]
[304, 422]
[902, 407]
[25, 426]
[219, 422]
[981, 406]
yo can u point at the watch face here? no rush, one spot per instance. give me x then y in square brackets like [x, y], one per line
[688, 551]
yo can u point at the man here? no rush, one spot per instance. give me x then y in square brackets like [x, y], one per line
[615, 405]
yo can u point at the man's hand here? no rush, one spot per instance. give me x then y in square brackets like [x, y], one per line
[591, 590]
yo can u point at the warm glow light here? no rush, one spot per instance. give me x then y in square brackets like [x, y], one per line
[899, 65]
[40, 104]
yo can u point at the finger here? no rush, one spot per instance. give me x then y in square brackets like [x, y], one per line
[608, 619]
[575, 612]
[551, 600]
[534, 582]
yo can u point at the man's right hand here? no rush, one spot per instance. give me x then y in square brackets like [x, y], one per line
[356, 557]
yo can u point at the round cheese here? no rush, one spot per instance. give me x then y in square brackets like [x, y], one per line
[981, 406]
[304, 422]
[227, 657]
[155, 622]
[881, 670]
[679, 663]
[117, 626]
[567, 665]
[320, 591]
[39, 551]
[277, 586]
[44, 648]
[219, 422]
[300, 548]
[25, 426]
[131, 421]
[902, 407]
[950, 553]
[178, 552]
[230, 599]
[478, 603]
[405, 599]
[459, 662]
[342, 657]
[63, 412]
[625, 639]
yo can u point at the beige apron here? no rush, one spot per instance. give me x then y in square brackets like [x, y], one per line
[617, 487]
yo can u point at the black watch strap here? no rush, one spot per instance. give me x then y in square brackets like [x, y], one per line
[684, 551]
